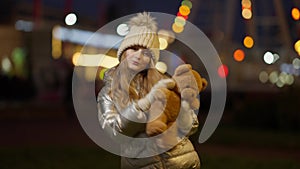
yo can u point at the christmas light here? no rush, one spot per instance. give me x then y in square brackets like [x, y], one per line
[239, 55]
[223, 71]
[248, 42]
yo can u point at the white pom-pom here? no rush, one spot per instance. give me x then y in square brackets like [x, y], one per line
[144, 19]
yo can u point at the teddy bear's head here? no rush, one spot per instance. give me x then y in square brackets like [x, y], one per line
[189, 83]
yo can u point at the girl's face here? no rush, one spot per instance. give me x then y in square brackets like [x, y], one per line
[137, 58]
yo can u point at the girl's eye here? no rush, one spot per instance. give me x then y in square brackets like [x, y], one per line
[147, 52]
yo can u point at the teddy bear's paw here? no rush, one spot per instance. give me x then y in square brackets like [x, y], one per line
[195, 104]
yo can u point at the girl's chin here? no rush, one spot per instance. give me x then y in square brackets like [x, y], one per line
[135, 68]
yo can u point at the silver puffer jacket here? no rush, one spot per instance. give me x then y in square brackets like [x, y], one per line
[182, 156]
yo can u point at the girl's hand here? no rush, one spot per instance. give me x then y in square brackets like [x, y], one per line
[145, 103]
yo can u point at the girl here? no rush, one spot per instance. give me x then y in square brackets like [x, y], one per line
[126, 97]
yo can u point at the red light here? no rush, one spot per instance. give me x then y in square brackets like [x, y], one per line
[223, 71]
[185, 17]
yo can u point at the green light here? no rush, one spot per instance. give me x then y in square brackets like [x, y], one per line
[180, 21]
[187, 3]
[18, 56]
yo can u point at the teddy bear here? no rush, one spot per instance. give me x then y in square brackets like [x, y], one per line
[165, 109]
[190, 84]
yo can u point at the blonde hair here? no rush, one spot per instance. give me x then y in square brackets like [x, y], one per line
[127, 85]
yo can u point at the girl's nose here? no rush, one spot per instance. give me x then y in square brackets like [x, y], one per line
[138, 54]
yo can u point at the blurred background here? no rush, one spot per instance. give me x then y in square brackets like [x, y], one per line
[258, 43]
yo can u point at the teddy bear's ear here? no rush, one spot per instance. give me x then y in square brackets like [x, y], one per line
[201, 82]
[204, 84]
[182, 69]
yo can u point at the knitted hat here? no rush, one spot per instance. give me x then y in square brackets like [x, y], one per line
[142, 32]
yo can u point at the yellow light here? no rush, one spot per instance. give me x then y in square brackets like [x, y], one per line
[263, 76]
[273, 77]
[102, 73]
[239, 55]
[56, 48]
[180, 21]
[176, 28]
[163, 44]
[246, 3]
[279, 84]
[297, 46]
[161, 67]
[296, 63]
[184, 10]
[95, 60]
[75, 58]
[283, 77]
[290, 79]
[6, 65]
[247, 13]
[248, 42]
[295, 13]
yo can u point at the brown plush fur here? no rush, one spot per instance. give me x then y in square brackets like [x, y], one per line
[190, 84]
[165, 109]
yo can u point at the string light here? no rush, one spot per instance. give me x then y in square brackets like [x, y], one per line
[246, 9]
[295, 14]
[239, 55]
[223, 71]
[297, 47]
[248, 42]
[182, 15]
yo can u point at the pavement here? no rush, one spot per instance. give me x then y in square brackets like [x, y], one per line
[40, 127]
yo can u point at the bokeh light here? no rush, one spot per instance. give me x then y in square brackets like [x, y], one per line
[247, 13]
[246, 3]
[184, 10]
[187, 3]
[122, 29]
[180, 21]
[176, 28]
[239, 55]
[282, 77]
[102, 73]
[263, 76]
[297, 46]
[6, 65]
[56, 43]
[276, 57]
[279, 84]
[290, 79]
[295, 14]
[286, 78]
[71, 19]
[273, 77]
[75, 58]
[248, 42]
[163, 43]
[268, 58]
[296, 63]
[185, 17]
[223, 71]
[161, 67]
[56, 48]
